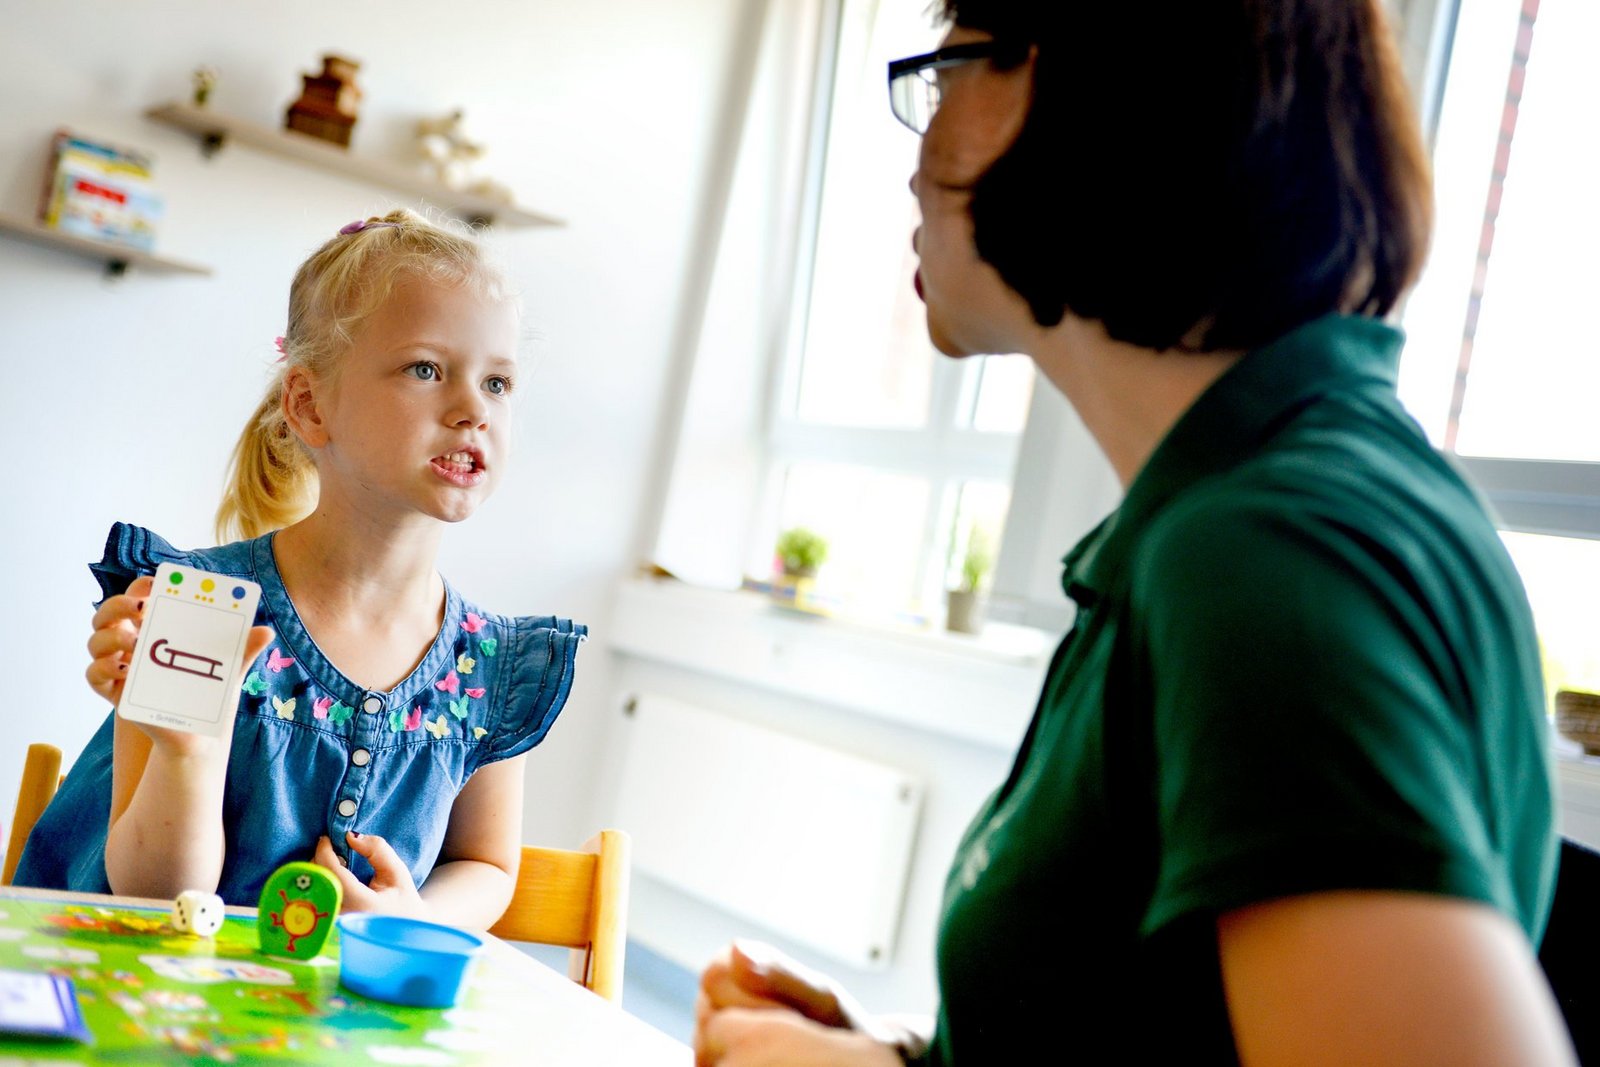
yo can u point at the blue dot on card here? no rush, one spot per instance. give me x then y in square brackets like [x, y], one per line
[238, 592]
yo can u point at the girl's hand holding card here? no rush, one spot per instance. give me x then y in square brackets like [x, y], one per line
[171, 650]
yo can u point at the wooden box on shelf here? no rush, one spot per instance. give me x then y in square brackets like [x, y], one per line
[328, 102]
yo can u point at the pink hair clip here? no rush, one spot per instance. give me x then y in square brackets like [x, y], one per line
[362, 224]
[282, 345]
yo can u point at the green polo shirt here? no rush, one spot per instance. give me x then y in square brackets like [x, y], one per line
[1302, 662]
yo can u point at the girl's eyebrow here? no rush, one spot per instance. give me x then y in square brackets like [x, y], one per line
[443, 349]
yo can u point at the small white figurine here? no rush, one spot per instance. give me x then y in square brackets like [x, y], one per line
[449, 153]
[197, 912]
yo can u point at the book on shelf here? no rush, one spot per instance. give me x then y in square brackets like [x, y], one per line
[100, 191]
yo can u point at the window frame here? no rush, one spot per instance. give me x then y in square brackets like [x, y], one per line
[1543, 496]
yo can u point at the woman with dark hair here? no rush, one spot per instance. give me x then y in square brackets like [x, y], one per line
[1285, 798]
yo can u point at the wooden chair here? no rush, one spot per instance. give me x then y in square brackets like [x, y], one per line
[576, 899]
[41, 774]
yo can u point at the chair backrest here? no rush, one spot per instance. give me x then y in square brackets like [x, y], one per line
[576, 899]
[1571, 947]
[41, 774]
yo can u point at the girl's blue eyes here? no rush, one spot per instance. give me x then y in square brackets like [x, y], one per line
[424, 371]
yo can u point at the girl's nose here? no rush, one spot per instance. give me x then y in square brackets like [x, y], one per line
[469, 410]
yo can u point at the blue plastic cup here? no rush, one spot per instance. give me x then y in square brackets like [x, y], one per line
[404, 961]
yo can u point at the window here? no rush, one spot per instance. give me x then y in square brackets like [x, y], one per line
[1502, 367]
[898, 456]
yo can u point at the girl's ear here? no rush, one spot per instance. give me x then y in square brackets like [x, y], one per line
[300, 408]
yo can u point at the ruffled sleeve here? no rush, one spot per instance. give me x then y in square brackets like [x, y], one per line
[130, 552]
[541, 654]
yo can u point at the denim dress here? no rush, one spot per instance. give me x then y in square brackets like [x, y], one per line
[313, 753]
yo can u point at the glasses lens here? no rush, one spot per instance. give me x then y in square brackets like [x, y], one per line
[913, 98]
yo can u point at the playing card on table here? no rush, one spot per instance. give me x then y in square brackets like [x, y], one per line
[185, 669]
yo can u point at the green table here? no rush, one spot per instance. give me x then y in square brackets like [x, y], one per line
[152, 995]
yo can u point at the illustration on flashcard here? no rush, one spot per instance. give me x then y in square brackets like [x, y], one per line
[163, 654]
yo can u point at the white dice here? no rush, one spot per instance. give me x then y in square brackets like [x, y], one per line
[197, 912]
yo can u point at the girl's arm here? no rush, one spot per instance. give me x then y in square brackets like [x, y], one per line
[477, 869]
[165, 834]
[1385, 978]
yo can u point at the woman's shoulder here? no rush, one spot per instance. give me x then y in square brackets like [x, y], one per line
[131, 551]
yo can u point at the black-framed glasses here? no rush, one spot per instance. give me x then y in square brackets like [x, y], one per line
[914, 81]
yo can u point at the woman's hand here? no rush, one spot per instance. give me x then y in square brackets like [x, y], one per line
[750, 974]
[778, 1037]
[391, 891]
[758, 1006]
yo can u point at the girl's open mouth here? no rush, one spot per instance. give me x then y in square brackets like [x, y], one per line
[460, 467]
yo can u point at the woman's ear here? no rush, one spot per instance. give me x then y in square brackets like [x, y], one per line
[301, 410]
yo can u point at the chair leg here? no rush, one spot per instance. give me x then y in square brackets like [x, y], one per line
[41, 773]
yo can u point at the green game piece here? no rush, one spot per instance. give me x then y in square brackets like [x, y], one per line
[297, 909]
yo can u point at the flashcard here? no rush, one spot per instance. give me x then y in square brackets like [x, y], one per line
[185, 667]
[40, 1005]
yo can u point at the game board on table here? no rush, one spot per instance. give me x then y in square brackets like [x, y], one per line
[150, 994]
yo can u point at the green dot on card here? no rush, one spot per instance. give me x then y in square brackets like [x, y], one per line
[176, 578]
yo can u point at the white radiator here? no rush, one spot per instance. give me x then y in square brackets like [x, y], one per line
[807, 841]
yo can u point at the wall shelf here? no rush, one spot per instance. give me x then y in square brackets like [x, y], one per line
[214, 130]
[117, 258]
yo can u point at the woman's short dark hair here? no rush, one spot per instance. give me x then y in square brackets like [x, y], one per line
[1205, 173]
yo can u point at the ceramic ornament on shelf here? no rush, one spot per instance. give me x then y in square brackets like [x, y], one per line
[197, 912]
[328, 102]
[297, 909]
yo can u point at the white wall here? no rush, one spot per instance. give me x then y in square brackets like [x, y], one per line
[122, 399]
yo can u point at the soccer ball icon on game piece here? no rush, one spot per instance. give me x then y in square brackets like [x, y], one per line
[197, 912]
[298, 906]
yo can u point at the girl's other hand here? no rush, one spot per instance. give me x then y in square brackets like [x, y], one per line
[391, 891]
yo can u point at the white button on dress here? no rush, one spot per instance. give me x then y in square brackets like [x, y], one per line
[347, 807]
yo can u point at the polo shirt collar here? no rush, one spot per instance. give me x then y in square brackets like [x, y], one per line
[1231, 420]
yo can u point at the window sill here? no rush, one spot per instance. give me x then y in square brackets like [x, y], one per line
[979, 688]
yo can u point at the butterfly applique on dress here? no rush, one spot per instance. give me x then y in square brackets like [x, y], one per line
[276, 661]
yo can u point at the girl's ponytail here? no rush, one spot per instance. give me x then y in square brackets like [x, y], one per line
[271, 481]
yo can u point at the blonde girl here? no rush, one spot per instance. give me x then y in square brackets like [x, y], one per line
[383, 719]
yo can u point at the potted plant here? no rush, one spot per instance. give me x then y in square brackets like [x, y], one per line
[796, 557]
[964, 606]
[800, 551]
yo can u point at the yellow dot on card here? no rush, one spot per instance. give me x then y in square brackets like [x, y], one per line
[206, 585]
